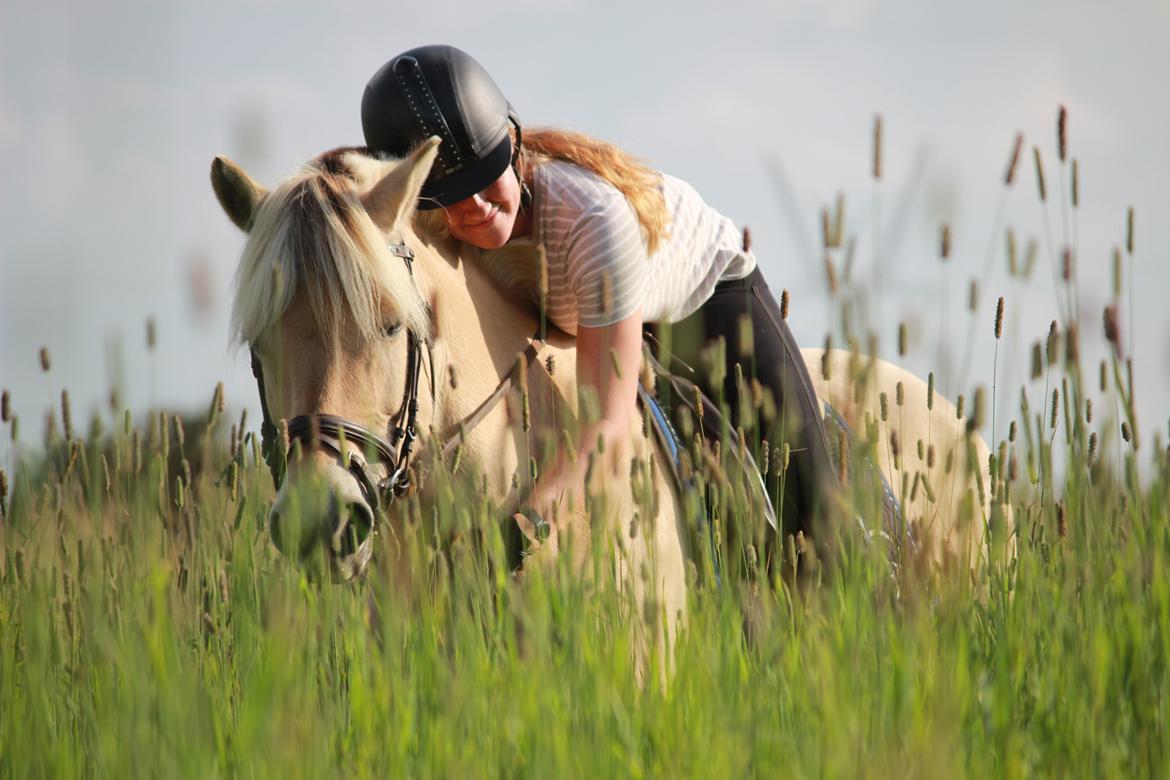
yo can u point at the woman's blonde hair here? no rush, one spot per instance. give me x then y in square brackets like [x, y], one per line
[638, 183]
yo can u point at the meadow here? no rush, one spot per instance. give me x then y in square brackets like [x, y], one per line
[148, 627]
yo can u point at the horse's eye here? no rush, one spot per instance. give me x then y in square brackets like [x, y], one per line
[393, 329]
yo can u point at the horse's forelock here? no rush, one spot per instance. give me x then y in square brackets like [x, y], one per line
[313, 230]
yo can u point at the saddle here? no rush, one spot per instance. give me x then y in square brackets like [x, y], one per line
[688, 394]
[892, 529]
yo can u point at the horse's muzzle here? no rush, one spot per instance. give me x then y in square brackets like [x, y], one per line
[323, 523]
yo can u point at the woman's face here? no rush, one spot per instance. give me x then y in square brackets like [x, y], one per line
[488, 218]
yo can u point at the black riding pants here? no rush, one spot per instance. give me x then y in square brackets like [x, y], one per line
[771, 356]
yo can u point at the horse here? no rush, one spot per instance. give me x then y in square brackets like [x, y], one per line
[340, 285]
[336, 291]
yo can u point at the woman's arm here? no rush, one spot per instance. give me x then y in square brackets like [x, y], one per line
[608, 360]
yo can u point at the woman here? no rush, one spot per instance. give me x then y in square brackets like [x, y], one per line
[625, 246]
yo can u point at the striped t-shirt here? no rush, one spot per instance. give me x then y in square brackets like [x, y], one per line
[598, 270]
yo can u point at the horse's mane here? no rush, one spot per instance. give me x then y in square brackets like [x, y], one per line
[312, 228]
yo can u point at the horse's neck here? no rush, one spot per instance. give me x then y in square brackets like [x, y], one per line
[465, 287]
[481, 329]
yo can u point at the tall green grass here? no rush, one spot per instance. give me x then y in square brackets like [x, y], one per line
[138, 638]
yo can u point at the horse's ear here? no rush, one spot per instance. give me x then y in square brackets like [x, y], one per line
[393, 198]
[238, 194]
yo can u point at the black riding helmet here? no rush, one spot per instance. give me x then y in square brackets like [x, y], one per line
[443, 91]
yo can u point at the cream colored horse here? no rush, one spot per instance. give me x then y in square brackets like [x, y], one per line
[325, 304]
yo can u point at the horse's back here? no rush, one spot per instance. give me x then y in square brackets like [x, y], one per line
[936, 467]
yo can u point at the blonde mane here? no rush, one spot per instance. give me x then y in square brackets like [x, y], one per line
[313, 228]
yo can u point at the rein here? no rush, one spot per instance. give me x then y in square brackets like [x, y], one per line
[330, 432]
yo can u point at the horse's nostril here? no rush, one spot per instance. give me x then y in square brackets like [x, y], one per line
[353, 528]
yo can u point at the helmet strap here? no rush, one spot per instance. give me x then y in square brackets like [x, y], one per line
[525, 190]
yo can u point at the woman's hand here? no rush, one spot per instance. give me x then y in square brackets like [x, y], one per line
[542, 536]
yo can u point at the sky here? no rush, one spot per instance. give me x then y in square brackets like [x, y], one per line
[110, 115]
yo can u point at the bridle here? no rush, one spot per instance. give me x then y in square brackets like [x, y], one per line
[330, 432]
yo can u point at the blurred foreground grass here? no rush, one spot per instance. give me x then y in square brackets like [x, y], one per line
[149, 628]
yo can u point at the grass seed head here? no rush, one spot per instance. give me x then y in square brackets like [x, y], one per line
[1055, 408]
[784, 298]
[606, 293]
[999, 318]
[1037, 361]
[1076, 184]
[151, 334]
[1043, 190]
[1072, 344]
[1112, 328]
[877, 146]
[899, 393]
[1013, 262]
[839, 220]
[5, 406]
[747, 238]
[180, 432]
[66, 415]
[1014, 161]
[944, 248]
[973, 295]
[46, 364]
[902, 339]
[1116, 271]
[975, 421]
[1031, 251]
[930, 391]
[542, 271]
[1129, 231]
[747, 345]
[831, 275]
[1062, 133]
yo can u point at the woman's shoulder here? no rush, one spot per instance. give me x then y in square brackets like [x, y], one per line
[564, 184]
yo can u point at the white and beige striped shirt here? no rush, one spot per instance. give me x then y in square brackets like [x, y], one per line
[598, 270]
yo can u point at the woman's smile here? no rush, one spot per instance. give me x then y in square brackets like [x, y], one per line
[495, 209]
